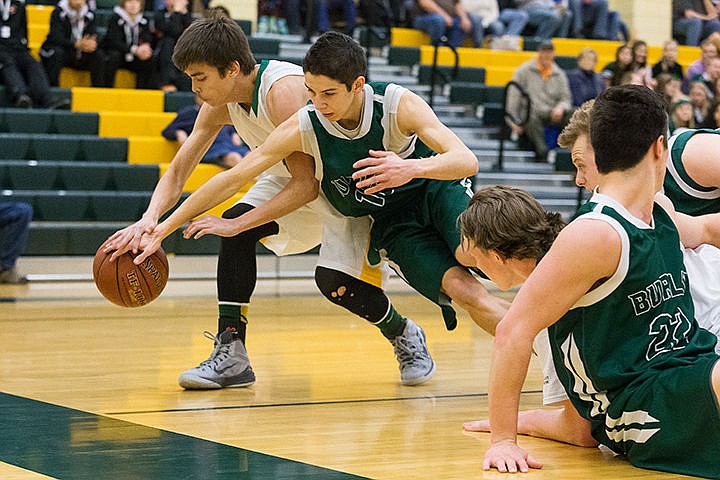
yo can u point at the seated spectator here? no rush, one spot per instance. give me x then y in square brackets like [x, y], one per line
[128, 44]
[681, 116]
[551, 18]
[550, 99]
[585, 82]
[695, 20]
[708, 51]
[324, 9]
[72, 42]
[170, 22]
[668, 88]
[668, 62]
[613, 72]
[15, 220]
[712, 120]
[701, 100]
[639, 53]
[447, 18]
[505, 26]
[270, 19]
[227, 149]
[24, 77]
[593, 19]
[709, 77]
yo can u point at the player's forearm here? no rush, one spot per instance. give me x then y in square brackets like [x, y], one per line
[451, 165]
[293, 196]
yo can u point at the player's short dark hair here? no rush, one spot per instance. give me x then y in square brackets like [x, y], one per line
[624, 123]
[509, 221]
[216, 41]
[336, 56]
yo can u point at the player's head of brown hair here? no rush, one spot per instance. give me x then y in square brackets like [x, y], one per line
[509, 221]
[216, 41]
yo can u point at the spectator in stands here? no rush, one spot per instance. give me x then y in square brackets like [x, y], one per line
[695, 20]
[639, 65]
[447, 18]
[708, 51]
[681, 116]
[668, 88]
[585, 82]
[701, 101]
[170, 22]
[15, 220]
[128, 44]
[709, 77]
[270, 19]
[551, 18]
[505, 26]
[324, 9]
[668, 62]
[712, 121]
[24, 77]
[72, 42]
[613, 72]
[593, 19]
[226, 150]
[550, 99]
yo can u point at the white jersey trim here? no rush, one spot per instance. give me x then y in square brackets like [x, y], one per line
[712, 195]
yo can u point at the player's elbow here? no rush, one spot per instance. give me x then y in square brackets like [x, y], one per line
[472, 164]
[312, 190]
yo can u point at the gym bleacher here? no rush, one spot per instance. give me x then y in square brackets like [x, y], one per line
[90, 171]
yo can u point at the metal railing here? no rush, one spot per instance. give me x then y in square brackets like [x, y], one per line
[509, 118]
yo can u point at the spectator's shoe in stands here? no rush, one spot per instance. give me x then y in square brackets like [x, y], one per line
[227, 366]
[282, 26]
[60, 104]
[22, 101]
[540, 158]
[416, 364]
[12, 277]
[263, 24]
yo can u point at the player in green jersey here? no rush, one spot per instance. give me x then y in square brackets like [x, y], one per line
[621, 322]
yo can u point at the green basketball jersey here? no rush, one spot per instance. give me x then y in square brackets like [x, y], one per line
[687, 196]
[610, 346]
[337, 150]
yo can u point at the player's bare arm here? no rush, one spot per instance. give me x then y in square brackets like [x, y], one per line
[693, 231]
[700, 159]
[284, 99]
[169, 188]
[568, 272]
[282, 142]
[387, 170]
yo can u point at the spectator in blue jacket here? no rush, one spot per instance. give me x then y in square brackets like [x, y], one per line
[227, 149]
[585, 82]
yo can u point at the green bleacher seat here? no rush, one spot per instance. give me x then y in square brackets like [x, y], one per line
[28, 121]
[47, 239]
[494, 114]
[102, 16]
[264, 47]
[404, 56]
[104, 149]
[14, 146]
[530, 44]
[475, 94]
[373, 37]
[563, 160]
[106, 4]
[566, 62]
[4, 100]
[85, 239]
[135, 177]
[86, 176]
[174, 101]
[74, 123]
[32, 176]
[117, 206]
[55, 147]
[246, 26]
[207, 245]
[464, 74]
[61, 206]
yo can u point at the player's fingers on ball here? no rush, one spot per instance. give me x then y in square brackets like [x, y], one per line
[533, 463]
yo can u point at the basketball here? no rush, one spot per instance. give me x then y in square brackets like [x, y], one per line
[129, 285]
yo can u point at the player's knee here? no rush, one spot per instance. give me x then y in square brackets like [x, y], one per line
[463, 288]
[332, 283]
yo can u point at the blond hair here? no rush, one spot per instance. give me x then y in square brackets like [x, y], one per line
[579, 124]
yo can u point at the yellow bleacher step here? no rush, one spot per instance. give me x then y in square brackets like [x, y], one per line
[408, 37]
[69, 77]
[202, 174]
[127, 124]
[39, 15]
[151, 150]
[88, 99]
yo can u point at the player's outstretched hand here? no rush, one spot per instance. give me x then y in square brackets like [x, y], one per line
[211, 225]
[383, 170]
[477, 426]
[508, 457]
[128, 238]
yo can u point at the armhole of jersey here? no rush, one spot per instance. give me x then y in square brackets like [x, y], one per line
[620, 273]
[309, 139]
[680, 181]
[393, 136]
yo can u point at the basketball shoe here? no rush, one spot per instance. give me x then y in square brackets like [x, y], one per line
[227, 366]
[416, 364]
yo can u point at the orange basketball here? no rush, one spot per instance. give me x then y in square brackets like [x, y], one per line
[129, 285]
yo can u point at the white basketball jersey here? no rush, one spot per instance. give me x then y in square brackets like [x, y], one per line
[255, 125]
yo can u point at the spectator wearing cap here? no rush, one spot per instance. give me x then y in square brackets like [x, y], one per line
[550, 98]
[585, 82]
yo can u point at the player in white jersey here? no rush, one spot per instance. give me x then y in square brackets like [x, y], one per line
[256, 98]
